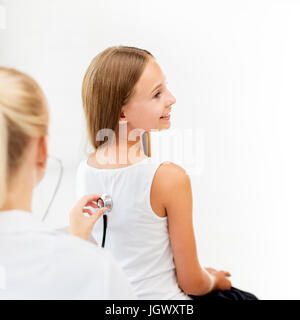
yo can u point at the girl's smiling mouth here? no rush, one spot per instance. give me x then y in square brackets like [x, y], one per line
[166, 117]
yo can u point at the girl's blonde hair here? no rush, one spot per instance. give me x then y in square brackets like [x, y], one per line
[23, 114]
[108, 84]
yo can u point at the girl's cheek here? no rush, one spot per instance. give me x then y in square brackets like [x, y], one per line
[154, 118]
[143, 121]
[150, 123]
[147, 122]
[147, 118]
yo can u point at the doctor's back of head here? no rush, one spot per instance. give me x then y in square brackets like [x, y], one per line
[37, 262]
[23, 130]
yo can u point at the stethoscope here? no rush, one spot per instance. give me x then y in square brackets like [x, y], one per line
[105, 201]
[61, 171]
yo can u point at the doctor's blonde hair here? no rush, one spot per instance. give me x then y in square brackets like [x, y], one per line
[108, 84]
[23, 114]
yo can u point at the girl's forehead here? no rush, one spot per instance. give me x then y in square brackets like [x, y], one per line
[151, 77]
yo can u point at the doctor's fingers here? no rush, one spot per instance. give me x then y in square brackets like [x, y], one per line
[93, 212]
[87, 211]
[97, 214]
[92, 204]
[88, 200]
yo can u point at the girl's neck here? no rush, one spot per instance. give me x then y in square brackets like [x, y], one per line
[118, 155]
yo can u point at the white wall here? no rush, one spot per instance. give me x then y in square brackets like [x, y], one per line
[234, 69]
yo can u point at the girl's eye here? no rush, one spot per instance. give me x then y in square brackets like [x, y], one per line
[156, 95]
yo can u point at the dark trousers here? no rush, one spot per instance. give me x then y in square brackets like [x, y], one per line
[233, 294]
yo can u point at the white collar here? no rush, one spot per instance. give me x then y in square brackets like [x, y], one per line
[18, 221]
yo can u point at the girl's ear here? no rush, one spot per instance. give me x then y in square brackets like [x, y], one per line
[122, 115]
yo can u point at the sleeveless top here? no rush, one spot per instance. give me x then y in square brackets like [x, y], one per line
[136, 236]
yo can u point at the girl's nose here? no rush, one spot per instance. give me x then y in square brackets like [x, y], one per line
[172, 99]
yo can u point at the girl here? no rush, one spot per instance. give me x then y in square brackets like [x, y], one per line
[149, 232]
[40, 263]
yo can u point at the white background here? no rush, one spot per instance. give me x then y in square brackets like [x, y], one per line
[234, 68]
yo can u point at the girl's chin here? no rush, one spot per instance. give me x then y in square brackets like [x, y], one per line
[165, 126]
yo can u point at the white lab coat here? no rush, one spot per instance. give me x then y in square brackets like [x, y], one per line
[37, 262]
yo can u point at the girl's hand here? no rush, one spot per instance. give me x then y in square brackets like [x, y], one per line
[221, 280]
[81, 225]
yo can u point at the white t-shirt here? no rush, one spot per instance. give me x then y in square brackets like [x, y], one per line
[37, 262]
[136, 236]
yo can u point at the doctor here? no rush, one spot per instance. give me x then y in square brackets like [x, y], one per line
[35, 261]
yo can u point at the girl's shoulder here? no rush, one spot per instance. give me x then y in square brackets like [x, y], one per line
[170, 170]
[169, 177]
[169, 183]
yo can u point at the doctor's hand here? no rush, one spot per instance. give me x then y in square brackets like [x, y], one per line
[80, 224]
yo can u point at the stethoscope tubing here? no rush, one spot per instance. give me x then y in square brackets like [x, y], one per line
[105, 201]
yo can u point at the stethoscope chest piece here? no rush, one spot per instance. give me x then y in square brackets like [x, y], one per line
[105, 201]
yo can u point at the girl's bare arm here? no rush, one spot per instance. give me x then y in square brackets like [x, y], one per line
[173, 187]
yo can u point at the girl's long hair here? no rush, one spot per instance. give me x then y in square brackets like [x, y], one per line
[108, 84]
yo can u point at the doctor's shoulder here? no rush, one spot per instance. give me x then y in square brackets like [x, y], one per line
[90, 269]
